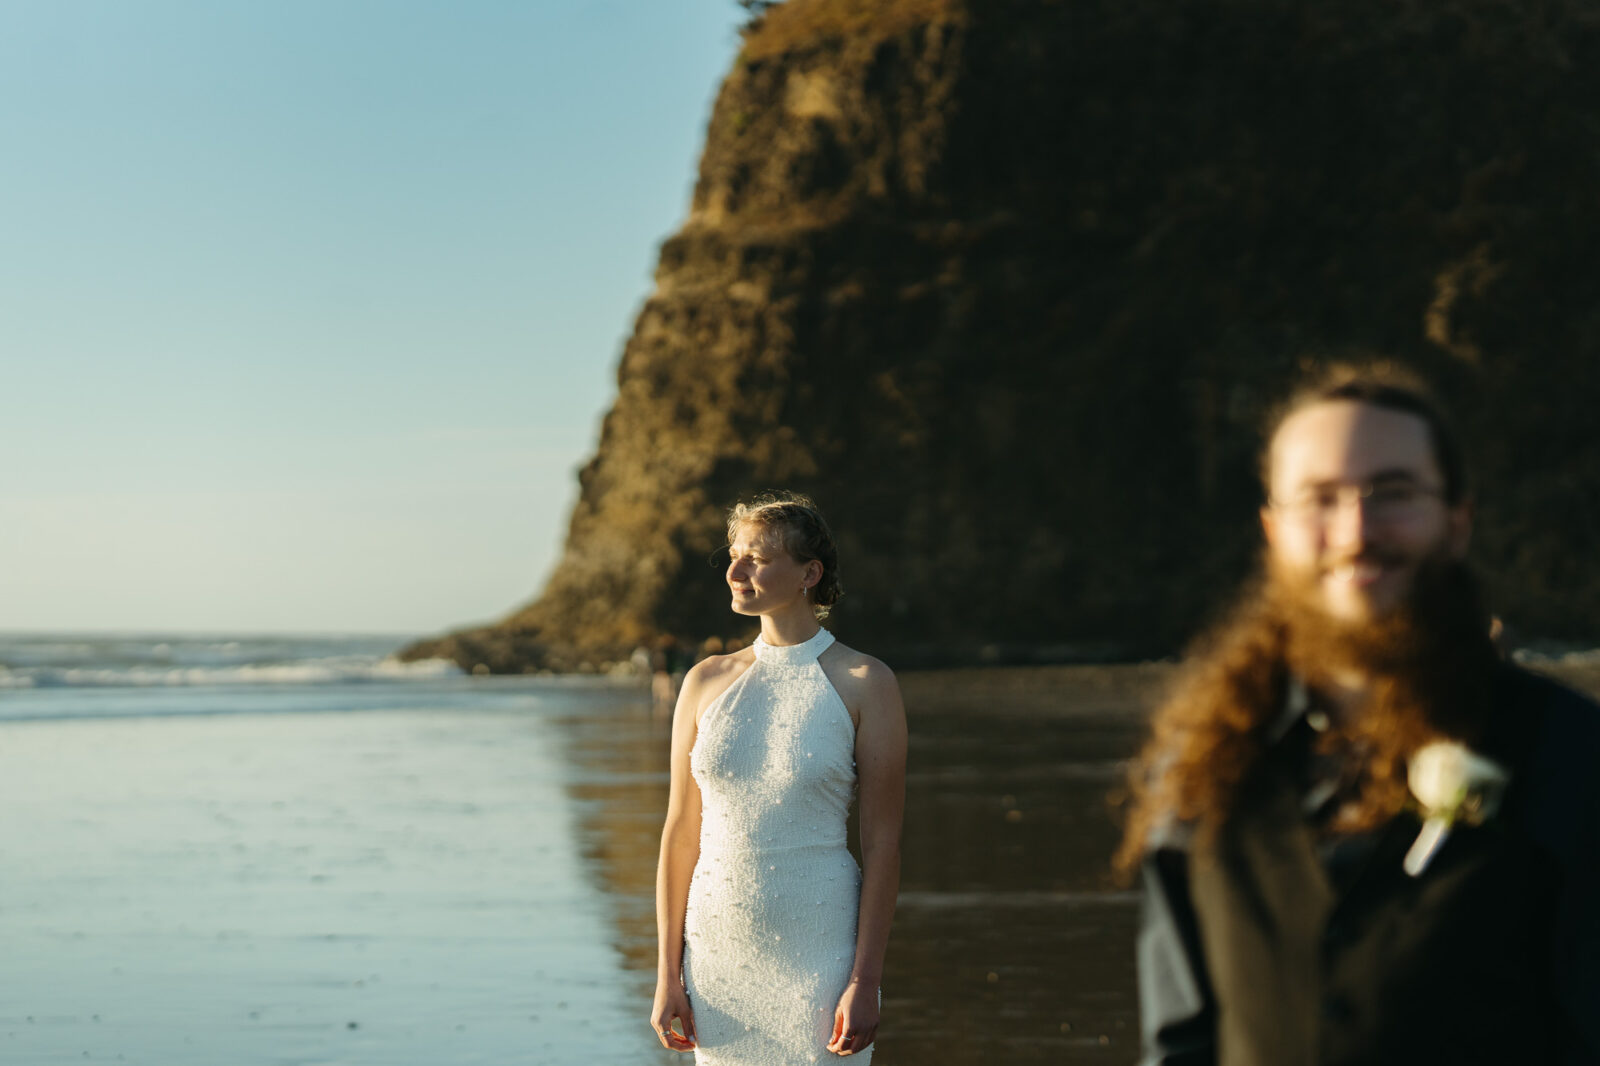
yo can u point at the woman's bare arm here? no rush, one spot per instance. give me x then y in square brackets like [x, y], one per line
[680, 850]
[881, 777]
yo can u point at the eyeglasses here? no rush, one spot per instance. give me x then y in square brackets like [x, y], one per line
[1383, 500]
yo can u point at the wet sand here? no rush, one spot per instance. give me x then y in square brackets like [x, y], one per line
[470, 880]
[382, 888]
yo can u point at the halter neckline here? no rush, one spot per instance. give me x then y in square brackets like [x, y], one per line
[793, 654]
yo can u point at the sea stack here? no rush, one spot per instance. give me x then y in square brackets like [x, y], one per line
[1008, 286]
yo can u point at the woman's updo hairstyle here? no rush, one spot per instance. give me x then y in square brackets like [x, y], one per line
[805, 533]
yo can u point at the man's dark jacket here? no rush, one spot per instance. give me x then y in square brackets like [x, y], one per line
[1260, 947]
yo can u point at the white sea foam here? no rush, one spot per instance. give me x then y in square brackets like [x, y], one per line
[298, 673]
[36, 662]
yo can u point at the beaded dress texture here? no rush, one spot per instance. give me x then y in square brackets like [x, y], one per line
[770, 930]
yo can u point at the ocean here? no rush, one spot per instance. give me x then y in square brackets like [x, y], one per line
[228, 850]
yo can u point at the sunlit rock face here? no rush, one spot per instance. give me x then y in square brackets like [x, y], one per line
[1008, 287]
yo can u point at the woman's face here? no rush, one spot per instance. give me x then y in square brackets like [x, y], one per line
[762, 575]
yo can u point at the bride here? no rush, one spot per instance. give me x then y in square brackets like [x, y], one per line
[771, 939]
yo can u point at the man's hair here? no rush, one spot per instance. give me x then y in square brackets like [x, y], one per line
[1382, 386]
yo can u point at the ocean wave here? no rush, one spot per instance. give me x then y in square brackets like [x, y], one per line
[335, 670]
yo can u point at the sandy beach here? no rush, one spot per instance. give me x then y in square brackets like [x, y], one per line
[462, 870]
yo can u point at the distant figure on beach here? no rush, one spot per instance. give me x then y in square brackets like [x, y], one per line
[771, 938]
[667, 669]
[1364, 837]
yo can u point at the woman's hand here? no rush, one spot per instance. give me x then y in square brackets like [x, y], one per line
[672, 1002]
[855, 1020]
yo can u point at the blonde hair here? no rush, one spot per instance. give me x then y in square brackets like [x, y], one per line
[806, 537]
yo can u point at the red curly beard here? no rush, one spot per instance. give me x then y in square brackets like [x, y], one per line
[1438, 634]
[1427, 664]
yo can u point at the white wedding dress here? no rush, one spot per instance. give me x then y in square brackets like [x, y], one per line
[770, 932]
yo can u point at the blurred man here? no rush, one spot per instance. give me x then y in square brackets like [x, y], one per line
[1364, 837]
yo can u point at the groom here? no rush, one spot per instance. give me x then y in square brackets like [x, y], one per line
[1291, 914]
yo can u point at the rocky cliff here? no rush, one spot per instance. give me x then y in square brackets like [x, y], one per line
[1008, 285]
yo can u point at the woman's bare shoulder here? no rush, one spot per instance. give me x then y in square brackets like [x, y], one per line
[711, 676]
[864, 676]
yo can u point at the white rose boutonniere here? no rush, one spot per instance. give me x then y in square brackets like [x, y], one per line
[1452, 784]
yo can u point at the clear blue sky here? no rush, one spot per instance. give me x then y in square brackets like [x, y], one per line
[309, 309]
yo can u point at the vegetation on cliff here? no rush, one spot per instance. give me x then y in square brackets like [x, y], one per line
[1007, 286]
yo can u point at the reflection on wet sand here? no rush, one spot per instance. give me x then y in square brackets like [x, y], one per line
[1010, 942]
